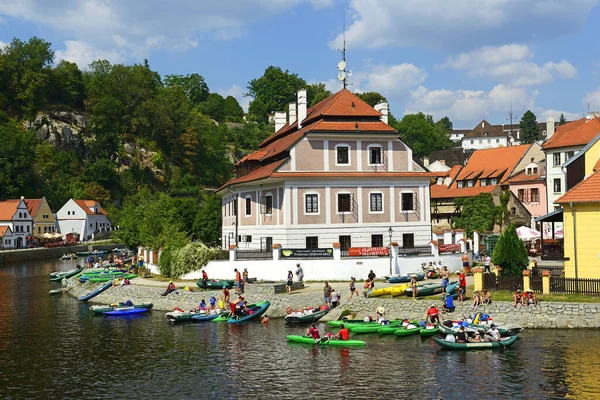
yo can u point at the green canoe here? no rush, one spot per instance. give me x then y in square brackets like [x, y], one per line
[324, 341]
[57, 276]
[407, 332]
[503, 342]
[109, 278]
[372, 328]
[354, 322]
[429, 332]
[216, 284]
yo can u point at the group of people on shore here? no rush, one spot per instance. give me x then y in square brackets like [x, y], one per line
[525, 299]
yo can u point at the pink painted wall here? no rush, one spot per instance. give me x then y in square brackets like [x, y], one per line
[537, 209]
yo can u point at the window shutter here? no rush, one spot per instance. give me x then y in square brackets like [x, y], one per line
[263, 204]
[414, 202]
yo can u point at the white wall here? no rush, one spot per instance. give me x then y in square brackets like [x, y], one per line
[555, 172]
[483, 143]
[321, 270]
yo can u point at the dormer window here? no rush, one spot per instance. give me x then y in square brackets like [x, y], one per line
[460, 184]
[485, 133]
[483, 182]
[494, 181]
[470, 183]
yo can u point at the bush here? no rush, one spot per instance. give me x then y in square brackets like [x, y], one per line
[510, 253]
[191, 258]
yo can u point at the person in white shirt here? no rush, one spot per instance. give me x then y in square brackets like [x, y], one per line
[450, 338]
[486, 264]
[493, 333]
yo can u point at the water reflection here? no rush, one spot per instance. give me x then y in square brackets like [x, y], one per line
[54, 347]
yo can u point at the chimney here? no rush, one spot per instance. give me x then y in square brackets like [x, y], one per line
[482, 124]
[549, 128]
[383, 108]
[425, 159]
[279, 120]
[292, 112]
[302, 102]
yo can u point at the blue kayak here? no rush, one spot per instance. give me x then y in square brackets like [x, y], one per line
[257, 310]
[451, 288]
[404, 278]
[96, 292]
[127, 311]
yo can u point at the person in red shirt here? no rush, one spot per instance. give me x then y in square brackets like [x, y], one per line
[432, 315]
[343, 334]
[314, 332]
[462, 283]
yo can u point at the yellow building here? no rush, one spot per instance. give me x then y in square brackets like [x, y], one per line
[581, 219]
[43, 219]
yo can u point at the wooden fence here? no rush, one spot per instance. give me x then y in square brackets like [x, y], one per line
[503, 283]
[589, 287]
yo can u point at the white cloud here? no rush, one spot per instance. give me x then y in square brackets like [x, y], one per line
[82, 54]
[143, 25]
[395, 79]
[543, 114]
[238, 92]
[509, 64]
[461, 24]
[3, 45]
[469, 105]
[593, 100]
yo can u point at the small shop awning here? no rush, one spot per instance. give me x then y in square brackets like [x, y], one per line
[554, 216]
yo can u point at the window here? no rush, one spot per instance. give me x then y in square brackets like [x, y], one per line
[569, 154]
[408, 202]
[247, 238]
[376, 240]
[27, 228]
[269, 204]
[557, 184]
[470, 183]
[90, 225]
[494, 181]
[39, 229]
[312, 242]
[345, 242]
[535, 195]
[513, 210]
[521, 195]
[460, 184]
[497, 140]
[376, 202]
[45, 229]
[311, 203]
[556, 159]
[342, 157]
[408, 240]
[235, 206]
[375, 155]
[344, 202]
[483, 182]
[472, 141]
[248, 206]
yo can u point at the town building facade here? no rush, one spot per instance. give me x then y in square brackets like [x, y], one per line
[7, 239]
[83, 217]
[43, 218]
[332, 173]
[14, 214]
[488, 136]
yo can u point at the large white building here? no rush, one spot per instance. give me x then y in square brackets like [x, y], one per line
[488, 136]
[332, 173]
[84, 217]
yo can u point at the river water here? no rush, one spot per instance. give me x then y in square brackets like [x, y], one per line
[53, 347]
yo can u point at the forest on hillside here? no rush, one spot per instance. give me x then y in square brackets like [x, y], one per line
[145, 146]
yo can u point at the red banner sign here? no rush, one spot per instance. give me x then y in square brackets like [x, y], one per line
[449, 248]
[367, 251]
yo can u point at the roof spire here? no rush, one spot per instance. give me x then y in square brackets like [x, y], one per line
[343, 74]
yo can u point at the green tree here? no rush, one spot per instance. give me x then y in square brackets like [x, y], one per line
[214, 107]
[372, 98]
[67, 88]
[257, 112]
[510, 253]
[562, 120]
[316, 93]
[207, 225]
[233, 110]
[422, 135]
[191, 258]
[274, 89]
[445, 124]
[478, 213]
[193, 86]
[17, 147]
[529, 129]
[24, 76]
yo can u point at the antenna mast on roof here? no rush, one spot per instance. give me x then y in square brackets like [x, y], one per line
[510, 118]
[343, 74]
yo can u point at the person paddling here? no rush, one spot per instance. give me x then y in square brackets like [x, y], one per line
[313, 331]
[343, 334]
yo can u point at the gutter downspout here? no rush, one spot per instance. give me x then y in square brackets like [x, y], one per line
[236, 214]
[575, 246]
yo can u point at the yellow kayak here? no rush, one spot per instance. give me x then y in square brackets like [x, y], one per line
[381, 292]
[398, 290]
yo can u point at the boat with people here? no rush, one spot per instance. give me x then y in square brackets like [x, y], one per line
[101, 309]
[452, 326]
[373, 328]
[255, 311]
[429, 330]
[305, 316]
[59, 275]
[325, 341]
[503, 342]
[405, 278]
[89, 253]
[408, 331]
[95, 292]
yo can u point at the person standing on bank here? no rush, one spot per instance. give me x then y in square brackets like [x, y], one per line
[243, 281]
[372, 277]
[445, 279]
[290, 281]
[64, 284]
[327, 294]
[299, 273]
[486, 264]
[413, 286]
[465, 262]
[238, 281]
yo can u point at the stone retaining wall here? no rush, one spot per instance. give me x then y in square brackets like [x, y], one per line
[548, 315]
[53, 252]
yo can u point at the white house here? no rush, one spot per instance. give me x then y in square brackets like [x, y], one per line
[13, 213]
[332, 173]
[488, 136]
[7, 239]
[84, 217]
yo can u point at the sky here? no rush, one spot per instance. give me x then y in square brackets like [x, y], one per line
[465, 59]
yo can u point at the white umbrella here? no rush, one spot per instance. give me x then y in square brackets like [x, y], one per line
[526, 233]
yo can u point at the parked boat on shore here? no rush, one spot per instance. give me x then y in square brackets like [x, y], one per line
[58, 276]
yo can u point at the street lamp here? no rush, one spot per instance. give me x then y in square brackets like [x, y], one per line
[390, 231]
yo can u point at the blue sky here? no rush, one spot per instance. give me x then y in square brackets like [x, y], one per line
[465, 59]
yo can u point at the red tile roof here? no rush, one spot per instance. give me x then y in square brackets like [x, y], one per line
[521, 177]
[337, 175]
[576, 133]
[8, 208]
[3, 230]
[263, 172]
[33, 205]
[348, 126]
[586, 191]
[493, 163]
[444, 192]
[87, 204]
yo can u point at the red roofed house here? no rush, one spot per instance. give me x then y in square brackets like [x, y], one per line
[7, 239]
[335, 172]
[84, 217]
[487, 171]
[14, 214]
[43, 219]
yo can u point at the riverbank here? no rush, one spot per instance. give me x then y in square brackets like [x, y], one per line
[39, 253]
[549, 315]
